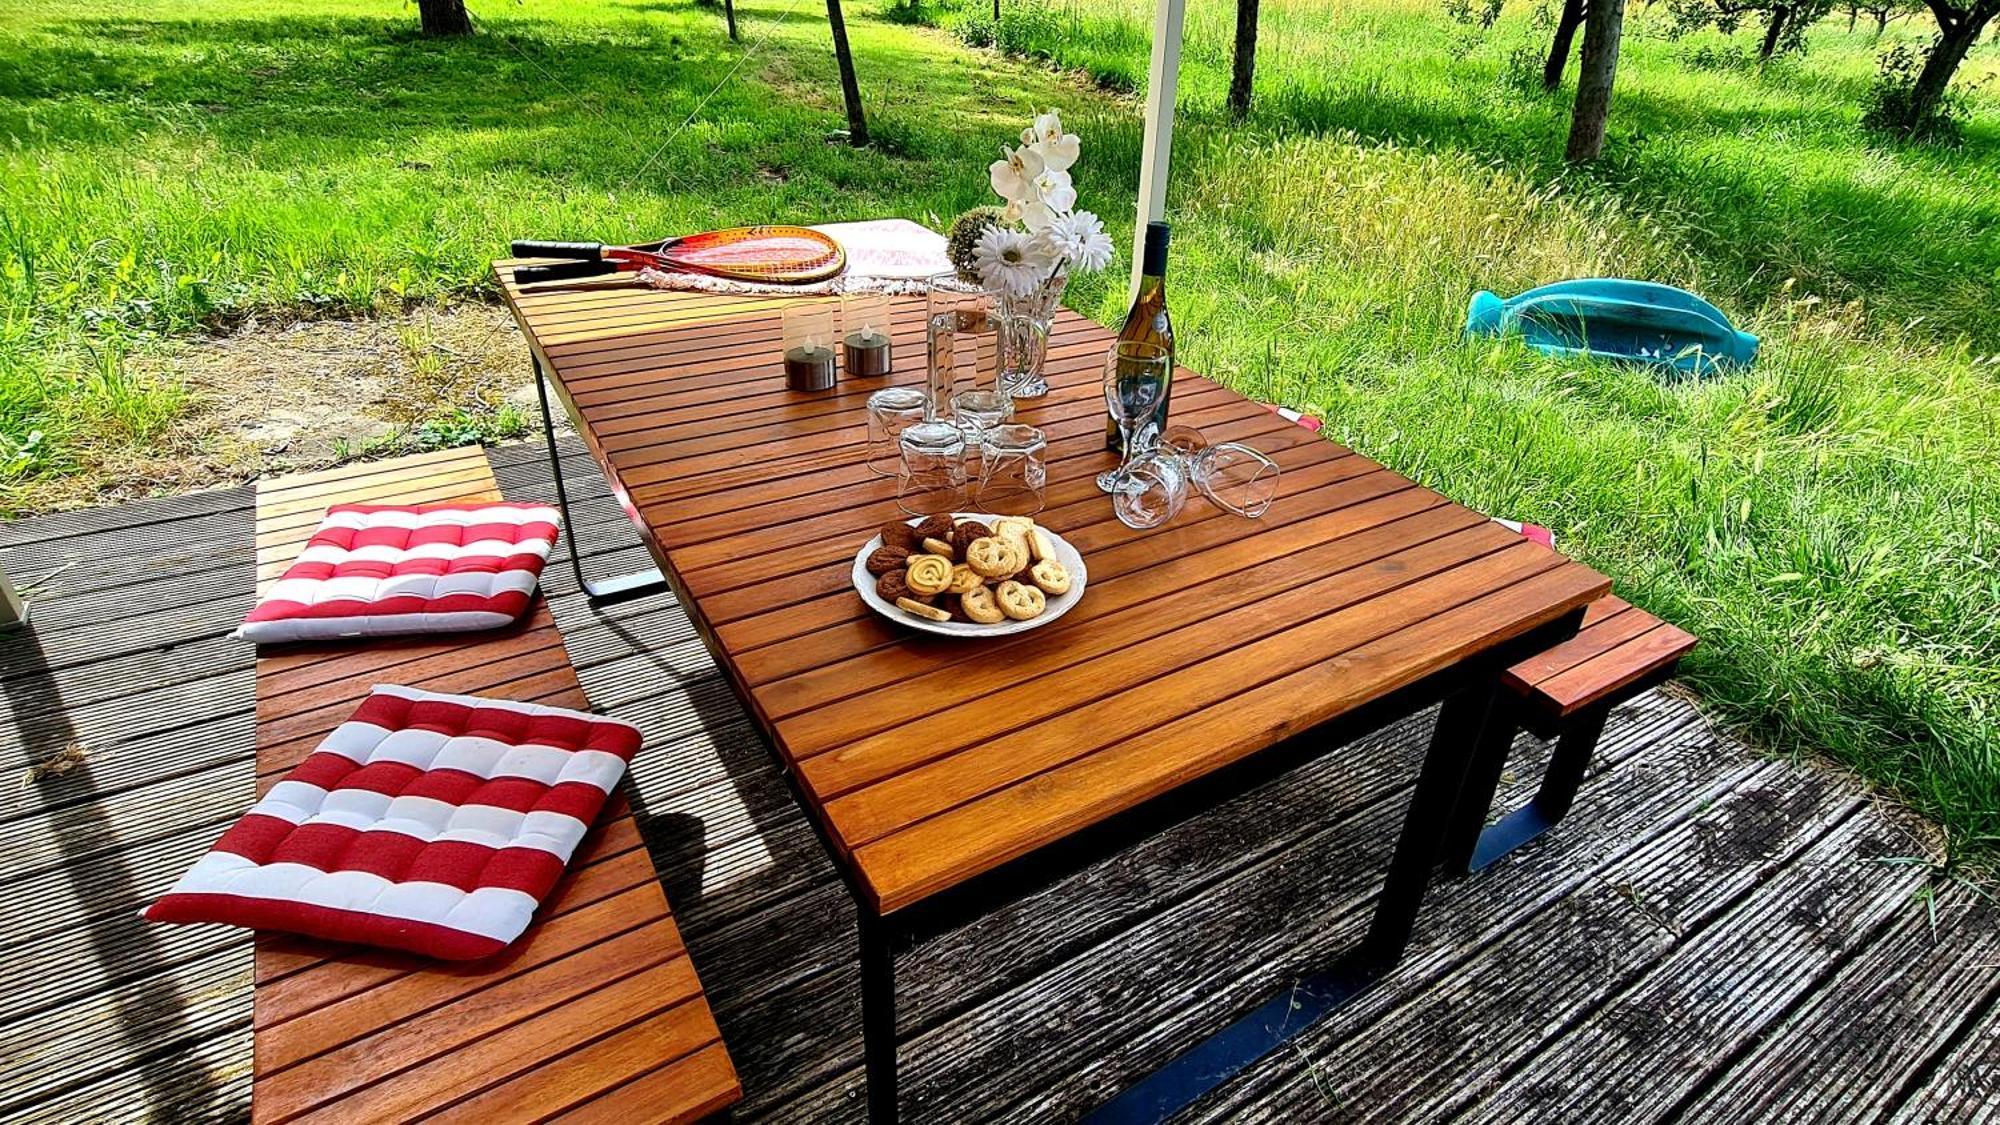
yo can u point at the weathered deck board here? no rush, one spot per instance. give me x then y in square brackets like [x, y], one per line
[1042, 1010]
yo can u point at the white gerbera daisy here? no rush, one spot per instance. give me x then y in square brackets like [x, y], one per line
[1079, 238]
[1008, 261]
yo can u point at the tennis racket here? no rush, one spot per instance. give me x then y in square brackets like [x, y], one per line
[779, 255]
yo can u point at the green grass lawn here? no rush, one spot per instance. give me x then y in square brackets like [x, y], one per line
[1828, 522]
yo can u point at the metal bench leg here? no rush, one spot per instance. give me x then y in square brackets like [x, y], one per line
[603, 591]
[13, 611]
[878, 1015]
[1567, 765]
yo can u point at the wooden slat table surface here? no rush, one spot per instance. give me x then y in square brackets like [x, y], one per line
[931, 760]
[596, 1011]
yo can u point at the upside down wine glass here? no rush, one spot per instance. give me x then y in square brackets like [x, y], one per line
[1137, 375]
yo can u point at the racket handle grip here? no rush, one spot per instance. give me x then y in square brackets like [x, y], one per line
[562, 271]
[582, 251]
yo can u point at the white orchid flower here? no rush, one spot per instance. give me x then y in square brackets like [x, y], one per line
[1054, 188]
[1036, 215]
[1014, 178]
[1057, 149]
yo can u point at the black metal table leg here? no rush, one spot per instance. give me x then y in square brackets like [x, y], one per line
[1288, 1014]
[605, 590]
[1567, 765]
[878, 1015]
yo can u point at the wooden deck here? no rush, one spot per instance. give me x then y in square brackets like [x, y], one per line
[1711, 935]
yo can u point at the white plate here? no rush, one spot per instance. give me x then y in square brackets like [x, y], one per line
[864, 584]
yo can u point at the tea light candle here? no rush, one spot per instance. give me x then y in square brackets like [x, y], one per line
[809, 346]
[865, 318]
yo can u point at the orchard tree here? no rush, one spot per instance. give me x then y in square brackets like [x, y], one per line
[443, 17]
[1245, 67]
[850, 91]
[1567, 22]
[1881, 11]
[1960, 23]
[1785, 21]
[1603, 26]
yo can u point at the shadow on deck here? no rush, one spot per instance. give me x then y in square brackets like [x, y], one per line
[1711, 935]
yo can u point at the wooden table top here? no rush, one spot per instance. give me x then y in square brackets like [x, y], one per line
[930, 760]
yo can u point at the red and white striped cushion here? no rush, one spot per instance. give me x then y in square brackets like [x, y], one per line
[431, 823]
[376, 569]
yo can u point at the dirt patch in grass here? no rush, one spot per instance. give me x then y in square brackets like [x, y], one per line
[274, 398]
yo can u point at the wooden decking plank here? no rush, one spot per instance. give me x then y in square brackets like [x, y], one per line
[1908, 991]
[1964, 1086]
[1714, 993]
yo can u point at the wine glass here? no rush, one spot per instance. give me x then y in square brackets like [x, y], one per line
[1137, 374]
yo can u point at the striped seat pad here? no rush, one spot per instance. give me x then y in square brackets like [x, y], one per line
[379, 569]
[430, 823]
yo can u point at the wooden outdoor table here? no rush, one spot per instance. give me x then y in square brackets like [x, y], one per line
[948, 776]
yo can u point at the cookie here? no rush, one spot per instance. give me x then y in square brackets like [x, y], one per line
[892, 586]
[979, 605]
[954, 605]
[896, 533]
[994, 557]
[1022, 603]
[928, 574]
[940, 547]
[1041, 546]
[935, 527]
[964, 580]
[1016, 530]
[966, 531]
[1051, 576]
[918, 609]
[882, 560]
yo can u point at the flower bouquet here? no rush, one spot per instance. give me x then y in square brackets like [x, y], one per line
[1027, 250]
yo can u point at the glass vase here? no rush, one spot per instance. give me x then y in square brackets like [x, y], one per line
[1024, 337]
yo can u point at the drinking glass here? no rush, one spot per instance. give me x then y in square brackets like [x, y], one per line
[1153, 490]
[933, 469]
[976, 412]
[1136, 377]
[891, 410]
[1236, 478]
[1012, 475]
[962, 335]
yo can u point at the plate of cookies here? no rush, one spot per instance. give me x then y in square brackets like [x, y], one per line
[969, 575]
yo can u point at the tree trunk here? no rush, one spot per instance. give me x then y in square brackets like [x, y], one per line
[444, 17]
[996, 15]
[1932, 81]
[1566, 25]
[729, 13]
[850, 92]
[1246, 59]
[1602, 27]
[1881, 22]
[1779, 13]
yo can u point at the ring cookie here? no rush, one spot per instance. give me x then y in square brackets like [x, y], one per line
[1022, 603]
[994, 557]
[964, 580]
[1051, 576]
[919, 609]
[928, 574]
[979, 605]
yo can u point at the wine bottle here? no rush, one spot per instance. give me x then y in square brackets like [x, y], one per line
[1148, 323]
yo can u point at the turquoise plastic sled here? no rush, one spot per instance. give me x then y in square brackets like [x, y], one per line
[1612, 318]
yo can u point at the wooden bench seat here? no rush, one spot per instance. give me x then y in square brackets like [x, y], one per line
[1564, 694]
[594, 1014]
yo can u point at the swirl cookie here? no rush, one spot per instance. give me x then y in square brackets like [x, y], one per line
[885, 559]
[928, 574]
[994, 557]
[1022, 603]
[1051, 576]
[980, 606]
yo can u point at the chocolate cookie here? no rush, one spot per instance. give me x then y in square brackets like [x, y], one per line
[966, 531]
[893, 585]
[885, 559]
[896, 533]
[935, 527]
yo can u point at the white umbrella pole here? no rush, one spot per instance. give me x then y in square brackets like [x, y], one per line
[1161, 79]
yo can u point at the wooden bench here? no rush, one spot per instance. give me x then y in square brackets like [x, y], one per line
[1563, 694]
[594, 1014]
